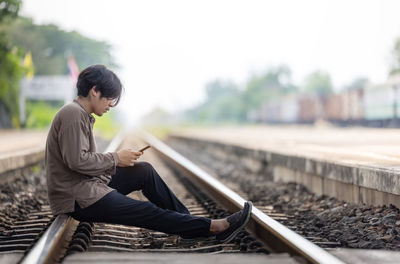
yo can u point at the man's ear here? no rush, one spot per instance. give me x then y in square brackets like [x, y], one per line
[94, 92]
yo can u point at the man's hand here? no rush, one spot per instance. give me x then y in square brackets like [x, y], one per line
[128, 157]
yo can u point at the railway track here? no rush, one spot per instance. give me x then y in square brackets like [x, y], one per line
[204, 195]
[256, 188]
[24, 232]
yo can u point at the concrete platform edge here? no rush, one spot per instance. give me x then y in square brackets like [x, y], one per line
[20, 159]
[363, 184]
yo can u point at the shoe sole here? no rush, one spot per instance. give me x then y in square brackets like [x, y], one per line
[234, 233]
[194, 240]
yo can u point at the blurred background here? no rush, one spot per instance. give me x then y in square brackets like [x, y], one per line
[205, 63]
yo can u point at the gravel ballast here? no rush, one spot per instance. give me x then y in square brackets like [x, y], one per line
[326, 221]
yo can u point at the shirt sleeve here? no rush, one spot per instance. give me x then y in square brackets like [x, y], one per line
[74, 146]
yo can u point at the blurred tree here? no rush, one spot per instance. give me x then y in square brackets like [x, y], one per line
[358, 83]
[226, 103]
[223, 104]
[9, 9]
[220, 88]
[318, 83]
[395, 67]
[50, 46]
[11, 69]
[275, 82]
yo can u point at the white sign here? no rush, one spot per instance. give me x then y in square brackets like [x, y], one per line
[49, 88]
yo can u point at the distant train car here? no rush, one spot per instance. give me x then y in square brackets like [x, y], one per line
[334, 108]
[289, 109]
[353, 104]
[381, 107]
[379, 103]
[279, 110]
[260, 114]
[374, 105]
[310, 108]
[345, 108]
[272, 111]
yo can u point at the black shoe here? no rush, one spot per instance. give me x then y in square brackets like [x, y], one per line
[237, 221]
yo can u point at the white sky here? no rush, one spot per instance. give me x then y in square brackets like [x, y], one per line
[169, 50]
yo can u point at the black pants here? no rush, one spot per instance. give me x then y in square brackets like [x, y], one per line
[164, 212]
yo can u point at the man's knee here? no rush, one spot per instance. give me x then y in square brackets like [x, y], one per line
[146, 170]
[144, 165]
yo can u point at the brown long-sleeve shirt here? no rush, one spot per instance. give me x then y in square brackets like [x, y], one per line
[74, 170]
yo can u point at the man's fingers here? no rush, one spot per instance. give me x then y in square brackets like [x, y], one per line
[128, 157]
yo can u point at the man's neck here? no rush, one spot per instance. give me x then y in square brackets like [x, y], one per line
[85, 104]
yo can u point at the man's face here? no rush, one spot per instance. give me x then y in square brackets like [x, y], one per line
[100, 104]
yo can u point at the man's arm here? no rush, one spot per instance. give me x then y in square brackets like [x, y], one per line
[74, 145]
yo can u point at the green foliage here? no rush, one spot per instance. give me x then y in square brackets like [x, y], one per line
[217, 89]
[222, 104]
[226, 103]
[11, 70]
[395, 67]
[275, 82]
[318, 83]
[358, 83]
[9, 9]
[40, 114]
[50, 47]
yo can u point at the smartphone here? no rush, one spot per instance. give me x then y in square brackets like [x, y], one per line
[143, 149]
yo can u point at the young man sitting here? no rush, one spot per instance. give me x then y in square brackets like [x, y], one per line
[92, 186]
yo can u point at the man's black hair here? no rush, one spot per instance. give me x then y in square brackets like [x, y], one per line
[106, 82]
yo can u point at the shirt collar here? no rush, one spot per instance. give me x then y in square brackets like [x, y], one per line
[91, 118]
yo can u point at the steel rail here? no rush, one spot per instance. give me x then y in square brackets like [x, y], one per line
[275, 235]
[52, 242]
